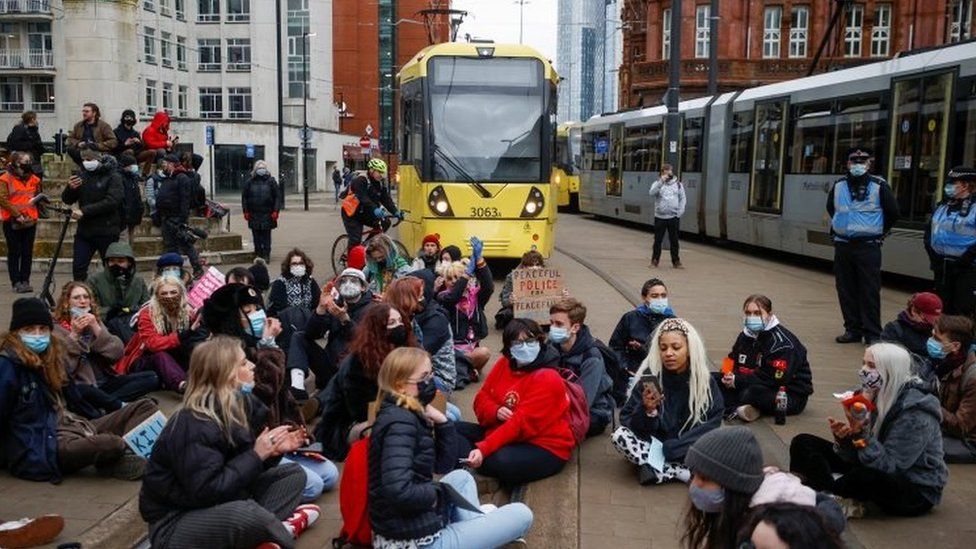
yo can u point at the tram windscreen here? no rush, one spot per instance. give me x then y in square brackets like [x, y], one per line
[487, 119]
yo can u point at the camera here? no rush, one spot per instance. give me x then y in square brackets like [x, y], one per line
[189, 235]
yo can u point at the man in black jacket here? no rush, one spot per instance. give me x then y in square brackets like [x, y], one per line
[98, 193]
[173, 202]
[367, 203]
[26, 138]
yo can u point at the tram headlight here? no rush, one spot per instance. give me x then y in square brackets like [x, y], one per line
[534, 204]
[438, 203]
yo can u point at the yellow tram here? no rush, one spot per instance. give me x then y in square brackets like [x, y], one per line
[476, 148]
[566, 175]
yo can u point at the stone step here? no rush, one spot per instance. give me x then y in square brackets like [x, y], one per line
[56, 168]
[143, 263]
[142, 246]
[50, 229]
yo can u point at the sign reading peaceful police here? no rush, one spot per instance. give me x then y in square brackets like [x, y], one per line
[534, 290]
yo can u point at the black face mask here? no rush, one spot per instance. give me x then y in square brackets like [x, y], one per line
[426, 391]
[118, 271]
[398, 335]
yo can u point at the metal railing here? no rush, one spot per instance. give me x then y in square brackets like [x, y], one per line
[25, 6]
[26, 59]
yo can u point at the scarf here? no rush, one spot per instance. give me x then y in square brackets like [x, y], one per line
[945, 366]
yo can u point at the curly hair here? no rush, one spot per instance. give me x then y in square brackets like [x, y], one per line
[286, 263]
[370, 343]
[161, 321]
[62, 311]
[50, 364]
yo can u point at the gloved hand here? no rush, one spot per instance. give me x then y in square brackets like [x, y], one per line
[477, 248]
[274, 216]
[247, 216]
[472, 265]
[400, 214]
[379, 213]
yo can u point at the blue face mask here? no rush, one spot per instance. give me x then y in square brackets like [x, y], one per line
[658, 305]
[79, 311]
[934, 348]
[257, 320]
[36, 343]
[949, 190]
[857, 170]
[525, 353]
[707, 500]
[247, 387]
[754, 323]
[558, 335]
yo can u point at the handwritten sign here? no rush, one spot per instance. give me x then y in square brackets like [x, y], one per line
[534, 290]
[143, 437]
[206, 285]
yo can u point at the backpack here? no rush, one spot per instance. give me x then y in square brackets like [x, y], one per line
[353, 490]
[617, 372]
[131, 206]
[579, 410]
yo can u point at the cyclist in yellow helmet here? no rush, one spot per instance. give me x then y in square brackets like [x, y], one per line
[368, 203]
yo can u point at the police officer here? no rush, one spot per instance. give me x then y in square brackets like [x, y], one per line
[862, 210]
[367, 202]
[950, 240]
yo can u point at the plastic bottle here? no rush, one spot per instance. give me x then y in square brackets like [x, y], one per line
[859, 411]
[781, 402]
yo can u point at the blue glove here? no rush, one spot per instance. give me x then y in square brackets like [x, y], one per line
[472, 265]
[477, 248]
[379, 213]
[401, 215]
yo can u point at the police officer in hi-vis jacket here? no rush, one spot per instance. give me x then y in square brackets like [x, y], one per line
[950, 240]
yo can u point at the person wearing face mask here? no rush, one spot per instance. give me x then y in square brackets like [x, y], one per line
[530, 260]
[171, 264]
[631, 337]
[410, 441]
[153, 182]
[383, 263]
[295, 287]
[893, 457]
[217, 476]
[765, 357]
[669, 205]
[118, 290]
[429, 254]
[132, 207]
[950, 240]
[345, 400]
[579, 352]
[174, 201]
[673, 402]
[523, 433]
[467, 288]
[91, 133]
[261, 203]
[368, 202]
[47, 430]
[412, 295]
[913, 326]
[728, 479]
[25, 137]
[96, 197]
[862, 210]
[954, 364]
[129, 139]
[18, 187]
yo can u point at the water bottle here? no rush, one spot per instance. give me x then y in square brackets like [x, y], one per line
[781, 402]
[859, 412]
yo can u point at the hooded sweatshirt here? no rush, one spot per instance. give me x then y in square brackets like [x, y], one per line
[669, 198]
[586, 361]
[157, 133]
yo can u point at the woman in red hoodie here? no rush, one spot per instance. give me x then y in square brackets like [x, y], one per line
[156, 135]
[523, 432]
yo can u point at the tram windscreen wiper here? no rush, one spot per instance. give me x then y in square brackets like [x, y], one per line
[456, 166]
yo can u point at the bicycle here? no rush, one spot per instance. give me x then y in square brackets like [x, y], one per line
[341, 244]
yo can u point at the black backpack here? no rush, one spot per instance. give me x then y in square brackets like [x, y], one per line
[617, 372]
[131, 208]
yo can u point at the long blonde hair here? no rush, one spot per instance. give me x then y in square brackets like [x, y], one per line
[894, 363]
[397, 368]
[700, 379]
[211, 389]
[161, 321]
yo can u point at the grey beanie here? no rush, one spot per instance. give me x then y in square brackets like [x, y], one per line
[729, 456]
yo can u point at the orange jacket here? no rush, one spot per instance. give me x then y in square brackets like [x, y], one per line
[19, 193]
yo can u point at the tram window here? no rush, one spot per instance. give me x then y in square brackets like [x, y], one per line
[692, 149]
[766, 192]
[860, 122]
[964, 143]
[740, 150]
[412, 124]
[811, 148]
[642, 149]
[596, 145]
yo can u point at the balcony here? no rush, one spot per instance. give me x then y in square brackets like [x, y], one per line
[27, 8]
[27, 59]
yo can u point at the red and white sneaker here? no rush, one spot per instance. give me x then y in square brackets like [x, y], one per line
[30, 532]
[303, 517]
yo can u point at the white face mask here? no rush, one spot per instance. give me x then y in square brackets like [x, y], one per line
[350, 290]
[134, 169]
[91, 165]
[297, 270]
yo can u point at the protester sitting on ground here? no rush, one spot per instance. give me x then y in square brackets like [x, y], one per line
[171, 264]
[345, 401]
[954, 365]
[429, 254]
[18, 187]
[95, 196]
[406, 506]
[91, 350]
[892, 459]
[26, 138]
[46, 429]
[165, 330]
[295, 287]
[356, 257]
[214, 477]
[673, 402]
[764, 358]
[449, 254]
[523, 432]
[91, 133]
[579, 353]
[383, 264]
[530, 259]
[913, 326]
[261, 202]
[118, 290]
[259, 270]
[631, 338]
[467, 288]
[787, 526]
[240, 275]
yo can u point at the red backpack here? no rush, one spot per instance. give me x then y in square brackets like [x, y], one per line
[353, 489]
[579, 410]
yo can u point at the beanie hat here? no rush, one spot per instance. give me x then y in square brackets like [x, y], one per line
[169, 259]
[729, 456]
[259, 270]
[453, 251]
[357, 257]
[126, 160]
[172, 158]
[354, 273]
[435, 238]
[30, 311]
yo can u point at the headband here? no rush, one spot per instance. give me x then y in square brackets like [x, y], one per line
[675, 325]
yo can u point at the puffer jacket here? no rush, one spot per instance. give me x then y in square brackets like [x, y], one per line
[157, 132]
[460, 323]
[404, 453]
[260, 197]
[773, 358]
[669, 198]
[344, 402]
[638, 325]
[174, 197]
[957, 392]
[99, 198]
[434, 333]
[911, 335]
[586, 361]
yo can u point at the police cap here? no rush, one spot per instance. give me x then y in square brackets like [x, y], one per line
[859, 153]
[962, 173]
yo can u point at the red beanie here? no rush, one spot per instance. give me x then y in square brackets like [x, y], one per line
[357, 257]
[435, 238]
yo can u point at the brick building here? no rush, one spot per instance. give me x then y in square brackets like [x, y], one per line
[764, 41]
[368, 35]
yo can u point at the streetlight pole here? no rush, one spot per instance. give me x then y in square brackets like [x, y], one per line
[713, 48]
[281, 108]
[521, 4]
[305, 133]
[673, 121]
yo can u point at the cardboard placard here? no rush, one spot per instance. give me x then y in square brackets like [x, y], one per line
[534, 290]
[143, 437]
[206, 285]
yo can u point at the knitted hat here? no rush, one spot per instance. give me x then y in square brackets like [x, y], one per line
[259, 270]
[356, 258]
[354, 273]
[169, 259]
[928, 305]
[452, 251]
[435, 238]
[30, 311]
[729, 456]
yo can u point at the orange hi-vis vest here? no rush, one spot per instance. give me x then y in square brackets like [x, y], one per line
[20, 193]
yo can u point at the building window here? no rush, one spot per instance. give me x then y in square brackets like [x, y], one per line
[799, 29]
[42, 93]
[239, 103]
[164, 8]
[239, 10]
[166, 49]
[181, 53]
[209, 51]
[853, 30]
[239, 54]
[150, 97]
[11, 94]
[881, 33]
[181, 101]
[772, 31]
[666, 34]
[211, 103]
[149, 46]
[149, 5]
[208, 11]
[180, 8]
[297, 27]
[168, 98]
[40, 46]
[962, 20]
[702, 24]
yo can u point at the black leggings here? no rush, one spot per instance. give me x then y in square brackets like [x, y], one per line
[514, 464]
[669, 226]
[762, 397]
[814, 460]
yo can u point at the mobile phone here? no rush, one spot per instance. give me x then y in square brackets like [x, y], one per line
[652, 381]
[464, 461]
[340, 302]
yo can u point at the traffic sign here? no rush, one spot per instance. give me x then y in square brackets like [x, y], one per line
[210, 136]
[365, 142]
[305, 134]
[369, 129]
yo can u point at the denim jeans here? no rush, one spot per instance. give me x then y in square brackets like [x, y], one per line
[320, 476]
[472, 530]
[453, 413]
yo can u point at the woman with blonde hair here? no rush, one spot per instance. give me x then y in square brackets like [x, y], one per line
[673, 402]
[406, 507]
[467, 287]
[165, 330]
[213, 478]
[261, 202]
[891, 457]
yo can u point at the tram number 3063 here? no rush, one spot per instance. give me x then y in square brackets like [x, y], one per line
[485, 212]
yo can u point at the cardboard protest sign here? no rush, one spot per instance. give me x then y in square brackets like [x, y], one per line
[143, 437]
[206, 285]
[534, 290]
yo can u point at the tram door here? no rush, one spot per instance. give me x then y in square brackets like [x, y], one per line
[615, 182]
[919, 133]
